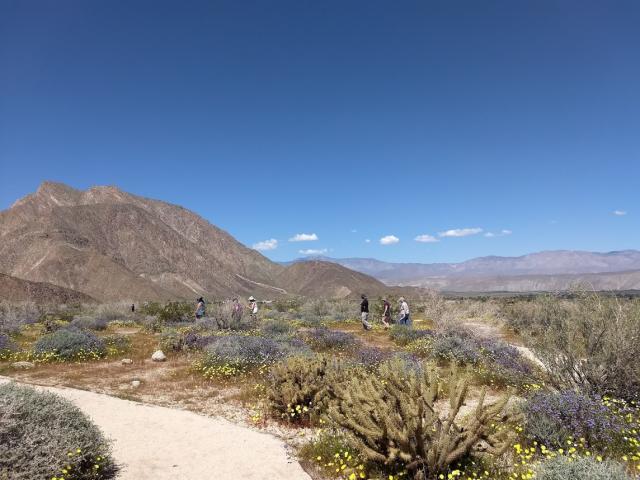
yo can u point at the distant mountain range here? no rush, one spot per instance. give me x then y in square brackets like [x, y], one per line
[549, 270]
[112, 245]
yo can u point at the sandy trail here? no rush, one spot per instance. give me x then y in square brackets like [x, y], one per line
[160, 443]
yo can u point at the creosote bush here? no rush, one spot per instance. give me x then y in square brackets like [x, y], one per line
[391, 419]
[300, 388]
[44, 436]
[581, 468]
[276, 328]
[71, 344]
[14, 316]
[89, 322]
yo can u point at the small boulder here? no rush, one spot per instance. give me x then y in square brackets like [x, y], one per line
[135, 383]
[158, 356]
[23, 365]
[127, 361]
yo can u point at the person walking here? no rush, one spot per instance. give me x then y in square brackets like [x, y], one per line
[386, 313]
[200, 308]
[253, 309]
[405, 317]
[364, 312]
[236, 311]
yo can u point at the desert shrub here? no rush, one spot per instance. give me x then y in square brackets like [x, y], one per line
[553, 417]
[441, 312]
[237, 354]
[390, 418]
[341, 310]
[7, 346]
[284, 305]
[171, 340]
[222, 314]
[90, 322]
[324, 339]
[71, 344]
[276, 328]
[169, 312]
[152, 323]
[404, 335]
[581, 468]
[331, 451]
[300, 388]
[590, 343]
[456, 347]
[14, 316]
[44, 436]
[116, 344]
[370, 357]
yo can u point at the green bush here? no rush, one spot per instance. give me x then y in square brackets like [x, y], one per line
[391, 419]
[276, 328]
[43, 436]
[300, 388]
[581, 468]
[71, 344]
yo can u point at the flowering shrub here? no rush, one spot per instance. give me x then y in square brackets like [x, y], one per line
[7, 347]
[403, 335]
[370, 357]
[454, 347]
[551, 418]
[325, 339]
[237, 354]
[332, 453]
[45, 436]
[276, 328]
[71, 344]
[582, 468]
[117, 344]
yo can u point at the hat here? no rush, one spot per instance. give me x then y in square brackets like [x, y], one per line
[401, 299]
[251, 299]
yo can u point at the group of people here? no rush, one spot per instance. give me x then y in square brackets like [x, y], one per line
[237, 309]
[404, 317]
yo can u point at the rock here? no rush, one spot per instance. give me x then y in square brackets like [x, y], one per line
[127, 361]
[135, 383]
[158, 356]
[23, 365]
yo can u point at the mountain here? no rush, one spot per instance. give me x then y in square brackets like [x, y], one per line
[112, 245]
[555, 262]
[326, 279]
[17, 290]
[549, 270]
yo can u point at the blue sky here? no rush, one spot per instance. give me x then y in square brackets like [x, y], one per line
[352, 121]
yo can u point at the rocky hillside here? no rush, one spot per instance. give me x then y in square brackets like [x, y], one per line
[17, 290]
[112, 245]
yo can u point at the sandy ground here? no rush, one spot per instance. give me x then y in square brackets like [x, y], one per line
[158, 443]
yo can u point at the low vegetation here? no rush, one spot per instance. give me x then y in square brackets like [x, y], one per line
[44, 436]
[451, 397]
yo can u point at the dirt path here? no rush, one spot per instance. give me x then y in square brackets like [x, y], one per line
[160, 443]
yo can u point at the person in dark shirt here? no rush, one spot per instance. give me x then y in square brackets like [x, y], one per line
[386, 313]
[364, 312]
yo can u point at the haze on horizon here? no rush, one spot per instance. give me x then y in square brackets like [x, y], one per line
[438, 131]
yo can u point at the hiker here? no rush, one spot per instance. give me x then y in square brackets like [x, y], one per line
[386, 313]
[364, 312]
[404, 318]
[133, 308]
[253, 308]
[236, 312]
[200, 308]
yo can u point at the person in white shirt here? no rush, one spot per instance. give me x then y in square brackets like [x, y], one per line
[253, 308]
[405, 317]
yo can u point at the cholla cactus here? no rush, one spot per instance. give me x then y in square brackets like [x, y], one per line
[391, 418]
[300, 388]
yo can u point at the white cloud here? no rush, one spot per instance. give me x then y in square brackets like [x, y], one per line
[426, 239]
[460, 232]
[270, 244]
[619, 213]
[368, 240]
[389, 240]
[502, 233]
[304, 237]
[313, 251]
